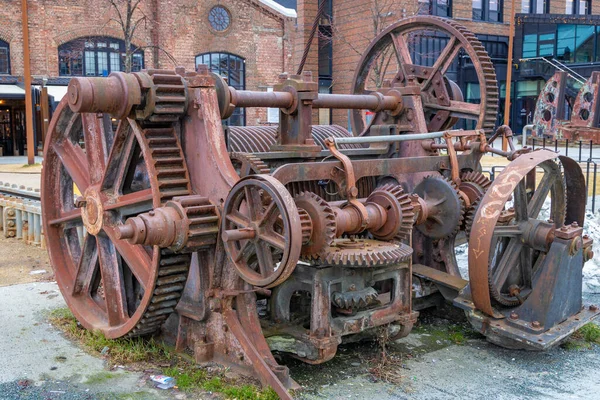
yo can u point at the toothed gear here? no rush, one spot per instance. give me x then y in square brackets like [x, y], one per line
[356, 299]
[307, 226]
[474, 184]
[470, 216]
[445, 207]
[400, 216]
[364, 253]
[323, 223]
[248, 164]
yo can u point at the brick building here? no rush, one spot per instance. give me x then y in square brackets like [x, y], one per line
[248, 41]
[349, 25]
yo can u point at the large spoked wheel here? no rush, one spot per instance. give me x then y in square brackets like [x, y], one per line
[400, 54]
[262, 230]
[522, 234]
[93, 179]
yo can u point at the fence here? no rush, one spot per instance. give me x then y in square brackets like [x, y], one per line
[584, 152]
[21, 217]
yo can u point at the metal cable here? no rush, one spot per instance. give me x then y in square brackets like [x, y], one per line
[311, 36]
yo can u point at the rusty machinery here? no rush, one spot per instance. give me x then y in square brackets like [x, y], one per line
[294, 238]
[559, 117]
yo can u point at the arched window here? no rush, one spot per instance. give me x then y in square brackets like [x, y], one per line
[95, 56]
[233, 69]
[4, 57]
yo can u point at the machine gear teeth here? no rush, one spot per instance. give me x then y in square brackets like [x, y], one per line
[470, 217]
[406, 209]
[248, 164]
[474, 184]
[355, 300]
[364, 253]
[445, 207]
[323, 223]
[307, 227]
[170, 101]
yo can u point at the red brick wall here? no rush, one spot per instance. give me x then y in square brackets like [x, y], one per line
[258, 34]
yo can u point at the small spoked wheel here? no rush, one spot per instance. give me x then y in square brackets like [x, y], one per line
[93, 179]
[261, 230]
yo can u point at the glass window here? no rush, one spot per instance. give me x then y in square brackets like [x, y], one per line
[441, 8]
[95, 56]
[233, 69]
[530, 46]
[565, 43]
[584, 43]
[115, 62]
[536, 6]
[487, 10]
[525, 6]
[219, 18]
[4, 58]
[90, 63]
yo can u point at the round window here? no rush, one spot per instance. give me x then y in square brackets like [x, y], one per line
[219, 18]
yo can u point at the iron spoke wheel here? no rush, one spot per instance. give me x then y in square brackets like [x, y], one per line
[261, 230]
[393, 62]
[94, 179]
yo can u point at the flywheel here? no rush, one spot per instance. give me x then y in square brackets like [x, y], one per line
[395, 61]
[513, 228]
[93, 180]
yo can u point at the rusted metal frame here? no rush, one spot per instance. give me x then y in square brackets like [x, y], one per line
[381, 167]
[486, 219]
[260, 366]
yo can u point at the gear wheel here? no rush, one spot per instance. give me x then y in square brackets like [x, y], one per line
[474, 184]
[470, 216]
[323, 223]
[356, 299]
[444, 207]
[365, 253]
[400, 212]
[248, 164]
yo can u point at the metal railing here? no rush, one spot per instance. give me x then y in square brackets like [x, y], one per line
[21, 214]
[580, 151]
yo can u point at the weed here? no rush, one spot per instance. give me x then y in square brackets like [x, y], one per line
[590, 333]
[100, 377]
[189, 377]
[584, 338]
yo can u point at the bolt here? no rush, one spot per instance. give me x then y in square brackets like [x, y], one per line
[151, 213]
[437, 82]
[442, 97]
[550, 221]
[593, 307]
[283, 77]
[564, 229]
[352, 288]
[585, 236]
[412, 69]
[225, 328]
[536, 324]
[514, 316]
[575, 224]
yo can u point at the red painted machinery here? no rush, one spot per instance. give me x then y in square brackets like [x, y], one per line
[557, 118]
[241, 242]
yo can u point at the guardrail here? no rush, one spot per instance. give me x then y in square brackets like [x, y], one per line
[21, 214]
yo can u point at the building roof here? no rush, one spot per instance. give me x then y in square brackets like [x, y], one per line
[277, 6]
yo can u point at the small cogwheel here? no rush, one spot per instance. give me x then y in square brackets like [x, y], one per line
[248, 164]
[323, 223]
[400, 212]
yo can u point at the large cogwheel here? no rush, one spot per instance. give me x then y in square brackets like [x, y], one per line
[248, 164]
[324, 226]
[364, 253]
[444, 207]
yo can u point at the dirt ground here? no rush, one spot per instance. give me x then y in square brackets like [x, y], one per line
[22, 263]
